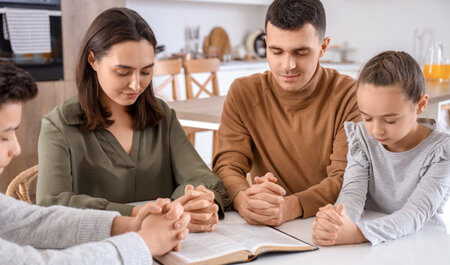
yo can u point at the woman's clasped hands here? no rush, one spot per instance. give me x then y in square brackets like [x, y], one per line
[200, 205]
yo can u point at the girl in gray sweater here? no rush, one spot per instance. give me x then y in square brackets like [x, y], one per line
[397, 164]
[31, 234]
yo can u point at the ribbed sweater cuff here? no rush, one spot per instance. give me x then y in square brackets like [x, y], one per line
[235, 189]
[132, 249]
[308, 203]
[219, 202]
[95, 225]
[367, 234]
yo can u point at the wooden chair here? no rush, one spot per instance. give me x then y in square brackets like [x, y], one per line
[20, 185]
[211, 66]
[169, 68]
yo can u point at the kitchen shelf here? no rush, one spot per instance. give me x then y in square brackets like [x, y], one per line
[242, 2]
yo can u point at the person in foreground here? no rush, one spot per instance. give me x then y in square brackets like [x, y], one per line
[115, 142]
[286, 126]
[399, 163]
[28, 232]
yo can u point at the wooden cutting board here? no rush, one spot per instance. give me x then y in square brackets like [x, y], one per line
[219, 39]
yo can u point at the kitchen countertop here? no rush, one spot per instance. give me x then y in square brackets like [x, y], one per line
[248, 65]
[437, 91]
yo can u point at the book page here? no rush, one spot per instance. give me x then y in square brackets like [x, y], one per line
[203, 246]
[253, 237]
[229, 238]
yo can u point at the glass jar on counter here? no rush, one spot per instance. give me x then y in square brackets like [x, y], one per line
[436, 67]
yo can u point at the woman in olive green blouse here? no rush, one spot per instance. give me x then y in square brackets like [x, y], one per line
[115, 143]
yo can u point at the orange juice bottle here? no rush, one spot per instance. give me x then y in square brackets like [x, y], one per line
[432, 72]
[432, 68]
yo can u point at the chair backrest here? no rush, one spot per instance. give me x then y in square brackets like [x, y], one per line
[211, 66]
[20, 185]
[171, 68]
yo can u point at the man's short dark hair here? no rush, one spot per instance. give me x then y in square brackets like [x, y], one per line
[395, 68]
[293, 14]
[16, 85]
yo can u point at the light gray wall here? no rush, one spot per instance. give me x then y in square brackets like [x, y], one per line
[169, 19]
[370, 26]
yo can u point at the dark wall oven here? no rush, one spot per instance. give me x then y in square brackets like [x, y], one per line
[44, 66]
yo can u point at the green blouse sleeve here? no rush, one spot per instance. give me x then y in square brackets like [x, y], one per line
[54, 185]
[189, 168]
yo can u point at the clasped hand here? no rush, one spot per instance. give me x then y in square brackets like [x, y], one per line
[263, 203]
[199, 204]
[332, 226]
[161, 224]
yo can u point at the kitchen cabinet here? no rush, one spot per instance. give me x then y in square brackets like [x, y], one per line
[235, 69]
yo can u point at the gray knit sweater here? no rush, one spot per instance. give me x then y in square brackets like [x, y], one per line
[410, 187]
[30, 234]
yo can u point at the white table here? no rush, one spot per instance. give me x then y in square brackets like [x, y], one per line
[430, 245]
[203, 113]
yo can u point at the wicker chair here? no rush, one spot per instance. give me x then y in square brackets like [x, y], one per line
[19, 186]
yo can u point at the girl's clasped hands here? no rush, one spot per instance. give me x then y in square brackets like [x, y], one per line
[332, 226]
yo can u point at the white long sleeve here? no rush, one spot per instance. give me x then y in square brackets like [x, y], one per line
[410, 187]
[31, 234]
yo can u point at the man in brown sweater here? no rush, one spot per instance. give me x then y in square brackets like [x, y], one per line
[286, 124]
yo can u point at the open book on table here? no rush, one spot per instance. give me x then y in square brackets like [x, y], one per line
[232, 242]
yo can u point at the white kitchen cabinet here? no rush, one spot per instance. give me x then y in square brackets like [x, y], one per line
[230, 71]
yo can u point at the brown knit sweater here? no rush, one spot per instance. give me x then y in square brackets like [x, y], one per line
[298, 136]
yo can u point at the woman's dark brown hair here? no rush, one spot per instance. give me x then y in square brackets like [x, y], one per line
[395, 68]
[111, 27]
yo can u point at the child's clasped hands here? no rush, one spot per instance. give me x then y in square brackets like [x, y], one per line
[332, 226]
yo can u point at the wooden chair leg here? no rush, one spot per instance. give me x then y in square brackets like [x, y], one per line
[191, 137]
